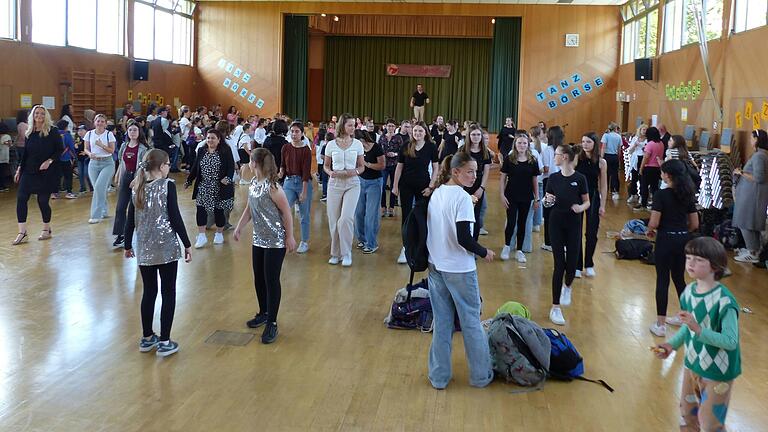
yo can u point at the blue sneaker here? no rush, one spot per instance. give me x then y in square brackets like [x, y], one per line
[147, 345]
[164, 349]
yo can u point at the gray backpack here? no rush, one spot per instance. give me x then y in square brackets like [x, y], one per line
[520, 350]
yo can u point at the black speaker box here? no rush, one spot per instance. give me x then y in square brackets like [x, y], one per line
[140, 70]
[643, 69]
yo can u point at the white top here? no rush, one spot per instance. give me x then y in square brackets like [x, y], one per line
[70, 123]
[260, 135]
[106, 137]
[243, 141]
[449, 204]
[319, 152]
[637, 152]
[344, 159]
[186, 126]
[548, 160]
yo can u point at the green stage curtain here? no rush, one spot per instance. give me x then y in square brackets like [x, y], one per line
[505, 72]
[356, 80]
[295, 69]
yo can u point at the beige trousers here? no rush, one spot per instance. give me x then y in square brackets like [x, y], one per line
[418, 113]
[342, 201]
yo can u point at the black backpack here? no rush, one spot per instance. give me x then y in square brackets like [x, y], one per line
[632, 249]
[415, 237]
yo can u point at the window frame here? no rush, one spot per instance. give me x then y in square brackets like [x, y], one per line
[679, 22]
[14, 30]
[174, 11]
[632, 13]
[735, 19]
[67, 44]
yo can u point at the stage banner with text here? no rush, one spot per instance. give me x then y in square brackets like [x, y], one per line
[412, 70]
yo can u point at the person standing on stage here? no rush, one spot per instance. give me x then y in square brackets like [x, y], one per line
[418, 102]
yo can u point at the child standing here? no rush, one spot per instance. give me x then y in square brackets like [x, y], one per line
[710, 333]
[154, 213]
[66, 158]
[268, 208]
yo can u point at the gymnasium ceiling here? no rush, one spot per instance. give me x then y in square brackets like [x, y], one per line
[549, 2]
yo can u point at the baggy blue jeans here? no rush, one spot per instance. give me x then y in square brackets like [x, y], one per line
[367, 216]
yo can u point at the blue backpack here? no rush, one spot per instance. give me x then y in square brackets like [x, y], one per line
[565, 362]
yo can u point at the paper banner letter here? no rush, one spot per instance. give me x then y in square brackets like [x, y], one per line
[748, 110]
[243, 92]
[564, 99]
[130, 95]
[540, 96]
[756, 121]
[739, 120]
[246, 77]
[227, 82]
[238, 72]
[552, 104]
[564, 84]
[251, 98]
[229, 67]
[575, 93]
[599, 82]
[260, 104]
[587, 87]
[161, 100]
[576, 78]
[765, 110]
[222, 63]
[149, 96]
[552, 90]
[234, 87]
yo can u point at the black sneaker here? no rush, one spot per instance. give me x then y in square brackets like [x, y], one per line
[119, 241]
[270, 333]
[258, 320]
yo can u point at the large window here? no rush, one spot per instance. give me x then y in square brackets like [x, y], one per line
[680, 21]
[92, 24]
[163, 30]
[750, 14]
[641, 29]
[8, 19]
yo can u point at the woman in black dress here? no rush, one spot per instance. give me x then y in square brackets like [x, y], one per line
[38, 172]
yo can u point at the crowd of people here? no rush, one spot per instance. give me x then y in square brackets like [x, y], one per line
[366, 172]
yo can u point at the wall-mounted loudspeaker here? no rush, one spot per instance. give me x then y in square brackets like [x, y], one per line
[140, 70]
[643, 69]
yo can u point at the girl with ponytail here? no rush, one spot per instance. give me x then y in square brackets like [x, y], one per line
[453, 283]
[130, 155]
[673, 217]
[154, 213]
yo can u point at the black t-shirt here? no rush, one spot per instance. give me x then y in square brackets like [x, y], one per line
[674, 212]
[437, 134]
[450, 145]
[415, 169]
[371, 156]
[567, 190]
[519, 187]
[506, 139]
[419, 98]
[591, 171]
[481, 163]
[275, 143]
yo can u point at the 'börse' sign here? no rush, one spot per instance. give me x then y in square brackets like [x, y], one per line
[412, 70]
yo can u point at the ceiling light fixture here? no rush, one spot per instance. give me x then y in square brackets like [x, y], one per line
[336, 18]
[322, 15]
[493, 20]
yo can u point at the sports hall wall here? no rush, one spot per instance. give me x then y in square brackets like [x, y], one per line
[249, 34]
[737, 63]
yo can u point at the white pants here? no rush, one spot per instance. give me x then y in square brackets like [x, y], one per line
[418, 113]
[343, 194]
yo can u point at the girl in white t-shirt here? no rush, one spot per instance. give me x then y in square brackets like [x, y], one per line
[343, 164]
[453, 285]
[99, 146]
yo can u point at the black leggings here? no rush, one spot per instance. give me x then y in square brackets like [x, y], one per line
[670, 260]
[546, 211]
[517, 211]
[649, 182]
[66, 176]
[218, 216]
[586, 257]
[167, 290]
[389, 178]
[43, 201]
[565, 232]
[407, 196]
[123, 199]
[267, 264]
[634, 182]
[612, 161]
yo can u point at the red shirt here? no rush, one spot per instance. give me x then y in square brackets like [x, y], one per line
[297, 161]
[131, 158]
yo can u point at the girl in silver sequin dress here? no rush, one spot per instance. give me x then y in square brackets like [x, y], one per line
[268, 208]
[154, 213]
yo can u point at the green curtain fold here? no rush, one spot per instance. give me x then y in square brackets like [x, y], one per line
[505, 72]
[295, 65]
[356, 80]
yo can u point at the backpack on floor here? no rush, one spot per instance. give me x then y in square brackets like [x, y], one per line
[565, 362]
[631, 249]
[512, 350]
[634, 227]
[415, 237]
[729, 236]
[411, 308]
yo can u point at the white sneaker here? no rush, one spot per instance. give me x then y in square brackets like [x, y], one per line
[673, 321]
[201, 241]
[401, 259]
[303, 248]
[556, 316]
[505, 253]
[334, 260]
[537, 228]
[483, 231]
[578, 274]
[658, 330]
[747, 257]
[633, 199]
[589, 271]
[565, 296]
[94, 221]
[218, 238]
[615, 196]
[546, 247]
[347, 260]
[520, 257]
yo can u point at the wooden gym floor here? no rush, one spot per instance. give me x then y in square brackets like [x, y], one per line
[69, 326]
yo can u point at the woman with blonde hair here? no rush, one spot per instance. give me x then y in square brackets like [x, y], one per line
[38, 172]
[99, 146]
[519, 187]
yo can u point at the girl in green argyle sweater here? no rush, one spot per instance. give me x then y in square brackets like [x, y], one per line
[710, 333]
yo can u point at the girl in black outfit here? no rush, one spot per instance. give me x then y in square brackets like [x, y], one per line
[519, 186]
[276, 140]
[568, 196]
[673, 217]
[412, 179]
[38, 172]
[450, 142]
[595, 169]
[506, 137]
[475, 146]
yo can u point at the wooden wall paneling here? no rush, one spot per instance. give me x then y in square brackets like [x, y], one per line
[420, 25]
